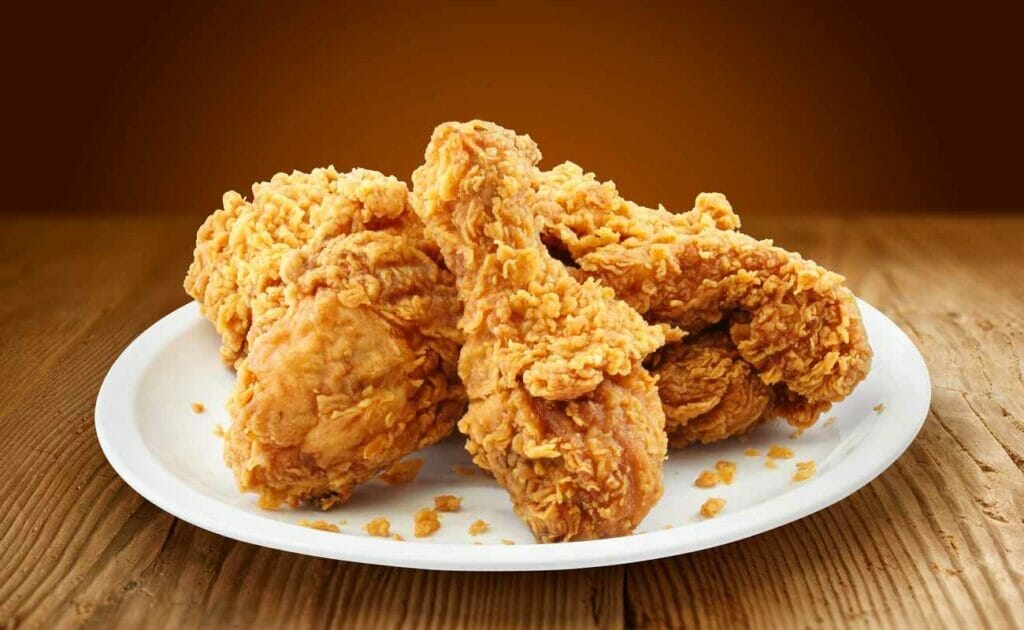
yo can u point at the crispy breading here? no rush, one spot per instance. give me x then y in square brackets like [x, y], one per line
[709, 392]
[345, 337]
[794, 322]
[561, 410]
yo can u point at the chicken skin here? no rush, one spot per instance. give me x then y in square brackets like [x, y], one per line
[561, 410]
[342, 324]
[795, 323]
[235, 273]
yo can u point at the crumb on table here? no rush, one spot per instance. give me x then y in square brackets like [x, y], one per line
[198, 407]
[447, 503]
[706, 479]
[879, 408]
[712, 507]
[379, 526]
[402, 471]
[323, 526]
[780, 452]
[726, 470]
[751, 452]
[506, 541]
[464, 471]
[478, 526]
[804, 471]
[425, 522]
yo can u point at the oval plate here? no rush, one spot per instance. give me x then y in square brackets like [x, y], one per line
[172, 457]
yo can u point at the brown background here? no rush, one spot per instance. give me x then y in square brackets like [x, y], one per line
[811, 108]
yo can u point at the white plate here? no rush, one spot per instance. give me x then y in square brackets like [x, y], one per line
[172, 457]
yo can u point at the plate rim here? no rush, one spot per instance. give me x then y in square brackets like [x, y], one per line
[122, 444]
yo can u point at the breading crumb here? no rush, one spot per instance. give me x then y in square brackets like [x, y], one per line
[804, 471]
[829, 421]
[323, 526]
[751, 452]
[477, 542]
[726, 471]
[343, 521]
[707, 479]
[666, 527]
[447, 503]
[712, 507]
[402, 471]
[795, 435]
[506, 541]
[198, 407]
[780, 452]
[464, 471]
[478, 526]
[425, 522]
[770, 463]
[219, 431]
[397, 537]
[379, 526]
[879, 408]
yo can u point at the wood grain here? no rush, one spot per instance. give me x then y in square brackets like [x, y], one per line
[937, 540]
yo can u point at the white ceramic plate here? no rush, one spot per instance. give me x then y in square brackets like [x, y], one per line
[172, 456]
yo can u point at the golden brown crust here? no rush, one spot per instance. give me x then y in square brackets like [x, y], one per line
[346, 352]
[561, 410]
[791, 320]
[708, 391]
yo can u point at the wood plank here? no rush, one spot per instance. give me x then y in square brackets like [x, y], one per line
[937, 540]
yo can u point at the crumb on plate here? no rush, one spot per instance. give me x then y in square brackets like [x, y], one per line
[879, 408]
[712, 507]
[477, 542]
[780, 452]
[726, 470]
[219, 430]
[478, 526]
[397, 537]
[829, 421]
[464, 471]
[506, 541]
[751, 452]
[425, 522]
[795, 435]
[198, 407]
[770, 463]
[323, 526]
[804, 471]
[379, 526]
[447, 503]
[706, 479]
[402, 471]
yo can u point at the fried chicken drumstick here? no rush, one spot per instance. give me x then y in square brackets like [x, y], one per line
[342, 324]
[561, 410]
[793, 322]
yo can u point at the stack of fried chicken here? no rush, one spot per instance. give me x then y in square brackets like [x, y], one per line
[570, 334]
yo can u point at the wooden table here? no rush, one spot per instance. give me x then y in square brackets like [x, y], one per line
[937, 540]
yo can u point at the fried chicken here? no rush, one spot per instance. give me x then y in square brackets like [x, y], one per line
[709, 393]
[235, 272]
[561, 410]
[343, 328]
[792, 321]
